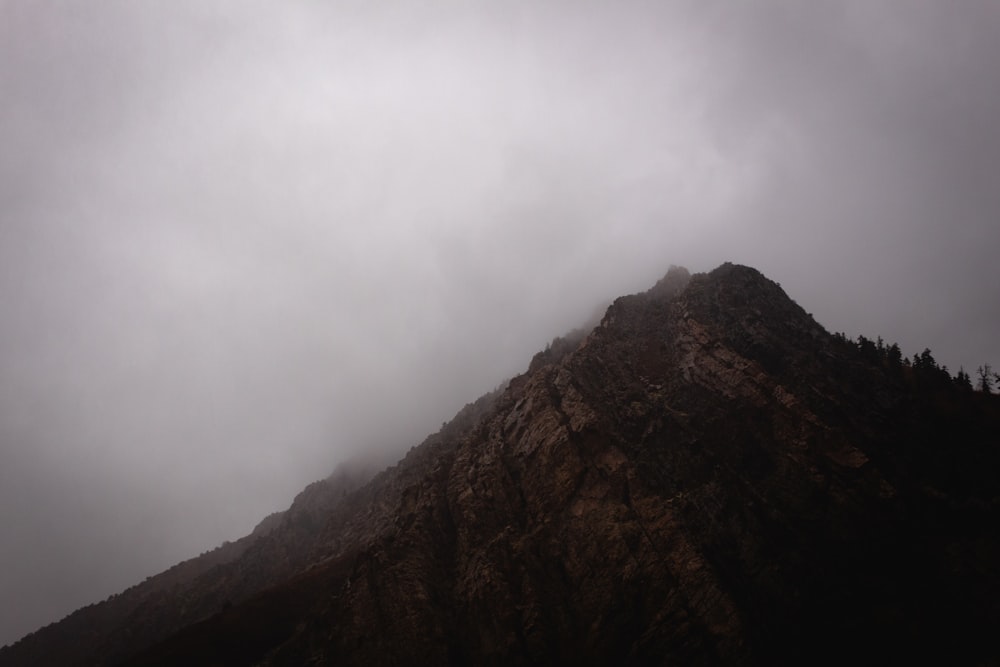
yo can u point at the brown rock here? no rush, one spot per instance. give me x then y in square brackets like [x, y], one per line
[707, 477]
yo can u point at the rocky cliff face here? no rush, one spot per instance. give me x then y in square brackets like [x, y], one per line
[707, 477]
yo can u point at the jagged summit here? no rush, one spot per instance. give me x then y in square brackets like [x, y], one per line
[672, 283]
[707, 477]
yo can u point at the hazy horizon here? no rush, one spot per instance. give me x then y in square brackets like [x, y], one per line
[243, 243]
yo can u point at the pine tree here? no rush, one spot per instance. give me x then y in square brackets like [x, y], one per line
[986, 377]
[894, 356]
[962, 380]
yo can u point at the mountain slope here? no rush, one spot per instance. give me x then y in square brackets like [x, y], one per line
[707, 477]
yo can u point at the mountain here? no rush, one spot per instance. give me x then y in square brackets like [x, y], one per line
[706, 477]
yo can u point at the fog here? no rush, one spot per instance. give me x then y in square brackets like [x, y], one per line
[241, 242]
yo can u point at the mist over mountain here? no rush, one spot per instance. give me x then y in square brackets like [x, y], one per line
[232, 233]
[707, 476]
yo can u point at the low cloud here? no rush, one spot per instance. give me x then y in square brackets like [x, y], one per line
[240, 246]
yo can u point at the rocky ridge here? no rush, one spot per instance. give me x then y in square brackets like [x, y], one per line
[706, 477]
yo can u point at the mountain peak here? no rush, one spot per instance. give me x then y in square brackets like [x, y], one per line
[675, 280]
[707, 477]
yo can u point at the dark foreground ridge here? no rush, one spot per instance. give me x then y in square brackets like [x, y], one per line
[708, 477]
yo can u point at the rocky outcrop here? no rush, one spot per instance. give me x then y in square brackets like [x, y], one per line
[707, 477]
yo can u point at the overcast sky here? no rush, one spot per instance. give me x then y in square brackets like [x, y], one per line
[243, 241]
